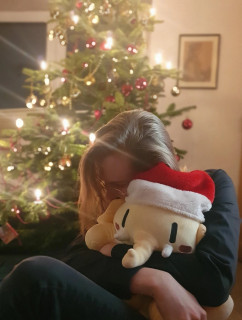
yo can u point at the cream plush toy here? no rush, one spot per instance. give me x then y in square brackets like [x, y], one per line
[163, 211]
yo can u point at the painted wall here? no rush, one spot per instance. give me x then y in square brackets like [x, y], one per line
[215, 139]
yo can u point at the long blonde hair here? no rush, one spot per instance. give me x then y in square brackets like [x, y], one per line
[139, 134]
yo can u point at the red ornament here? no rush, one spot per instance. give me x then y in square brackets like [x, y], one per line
[132, 49]
[91, 43]
[97, 114]
[187, 124]
[133, 21]
[79, 4]
[141, 83]
[65, 71]
[126, 89]
[110, 99]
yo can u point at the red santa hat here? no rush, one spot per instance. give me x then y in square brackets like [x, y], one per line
[186, 193]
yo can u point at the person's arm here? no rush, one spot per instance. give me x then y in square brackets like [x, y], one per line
[209, 273]
[172, 300]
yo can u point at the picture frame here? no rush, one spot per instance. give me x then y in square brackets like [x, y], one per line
[198, 61]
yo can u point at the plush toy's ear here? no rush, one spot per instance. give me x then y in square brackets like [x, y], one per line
[200, 232]
[108, 215]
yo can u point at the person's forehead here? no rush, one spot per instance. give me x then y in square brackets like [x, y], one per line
[116, 167]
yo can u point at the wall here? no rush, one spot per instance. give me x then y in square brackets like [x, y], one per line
[215, 139]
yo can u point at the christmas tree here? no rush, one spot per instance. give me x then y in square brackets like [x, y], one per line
[106, 71]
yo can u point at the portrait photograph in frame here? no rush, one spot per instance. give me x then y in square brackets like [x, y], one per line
[198, 61]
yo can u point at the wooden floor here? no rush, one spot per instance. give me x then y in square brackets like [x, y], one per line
[237, 295]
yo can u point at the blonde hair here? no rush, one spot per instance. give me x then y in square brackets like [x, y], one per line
[139, 134]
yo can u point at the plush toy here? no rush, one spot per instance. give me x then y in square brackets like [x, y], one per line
[163, 211]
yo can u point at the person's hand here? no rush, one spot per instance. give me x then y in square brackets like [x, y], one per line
[107, 248]
[172, 300]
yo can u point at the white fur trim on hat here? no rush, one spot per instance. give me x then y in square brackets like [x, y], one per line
[188, 203]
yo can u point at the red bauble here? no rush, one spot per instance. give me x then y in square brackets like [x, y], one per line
[141, 83]
[132, 49]
[79, 4]
[91, 43]
[187, 124]
[126, 89]
[97, 114]
[178, 158]
[110, 99]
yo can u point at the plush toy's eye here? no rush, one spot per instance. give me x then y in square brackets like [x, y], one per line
[125, 217]
[173, 233]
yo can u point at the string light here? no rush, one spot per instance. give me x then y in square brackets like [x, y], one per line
[95, 19]
[66, 126]
[10, 168]
[109, 43]
[51, 35]
[47, 80]
[92, 137]
[43, 65]
[38, 194]
[19, 123]
[158, 58]
[168, 65]
[75, 18]
[152, 12]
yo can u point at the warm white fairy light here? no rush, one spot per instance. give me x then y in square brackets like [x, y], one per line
[75, 18]
[109, 43]
[88, 82]
[47, 80]
[131, 71]
[91, 7]
[29, 105]
[47, 168]
[51, 35]
[38, 194]
[168, 65]
[158, 58]
[66, 126]
[19, 123]
[109, 80]
[95, 19]
[43, 65]
[92, 137]
[152, 12]
[10, 168]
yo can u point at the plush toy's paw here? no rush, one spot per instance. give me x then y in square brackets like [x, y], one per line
[99, 235]
[167, 251]
[130, 260]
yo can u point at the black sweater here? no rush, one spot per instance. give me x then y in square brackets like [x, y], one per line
[208, 274]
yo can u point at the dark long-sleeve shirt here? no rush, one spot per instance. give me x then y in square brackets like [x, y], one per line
[208, 273]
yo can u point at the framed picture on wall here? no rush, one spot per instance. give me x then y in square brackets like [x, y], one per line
[198, 61]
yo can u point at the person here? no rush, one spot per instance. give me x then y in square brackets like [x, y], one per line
[88, 284]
